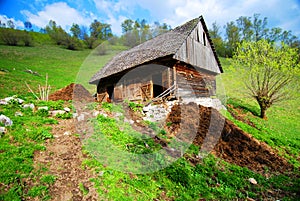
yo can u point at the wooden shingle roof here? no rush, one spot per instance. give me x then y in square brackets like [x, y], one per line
[160, 46]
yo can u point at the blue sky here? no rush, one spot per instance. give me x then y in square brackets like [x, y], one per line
[280, 13]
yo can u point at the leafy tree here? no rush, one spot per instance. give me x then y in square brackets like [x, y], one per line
[245, 27]
[28, 25]
[10, 24]
[270, 69]
[232, 36]
[100, 30]
[218, 42]
[75, 30]
[90, 41]
[127, 25]
[57, 33]
[259, 27]
[158, 28]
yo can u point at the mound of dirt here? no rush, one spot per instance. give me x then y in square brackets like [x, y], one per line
[231, 143]
[72, 92]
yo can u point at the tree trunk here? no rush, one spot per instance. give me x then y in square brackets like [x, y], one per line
[263, 112]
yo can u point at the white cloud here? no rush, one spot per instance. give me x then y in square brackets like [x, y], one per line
[61, 13]
[18, 24]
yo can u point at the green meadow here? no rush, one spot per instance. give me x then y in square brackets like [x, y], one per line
[211, 179]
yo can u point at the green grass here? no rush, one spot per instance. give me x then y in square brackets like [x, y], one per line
[62, 66]
[212, 178]
[27, 135]
[281, 130]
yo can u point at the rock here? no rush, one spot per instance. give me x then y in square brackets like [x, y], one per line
[18, 114]
[96, 113]
[252, 181]
[30, 105]
[43, 108]
[80, 117]
[55, 112]
[101, 173]
[75, 115]
[67, 109]
[67, 133]
[130, 121]
[2, 130]
[3, 102]
[19, 100]
[5, 120]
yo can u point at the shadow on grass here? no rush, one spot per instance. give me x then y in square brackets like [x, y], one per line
[245, 106]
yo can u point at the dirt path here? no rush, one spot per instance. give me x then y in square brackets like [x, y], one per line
[63, 157]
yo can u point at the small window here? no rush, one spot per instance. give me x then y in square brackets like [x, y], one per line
[204, 39]
[197, 36]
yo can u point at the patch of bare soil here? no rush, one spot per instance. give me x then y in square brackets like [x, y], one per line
[63, 157]
[72, 92]
[233, 144]
[238, 114]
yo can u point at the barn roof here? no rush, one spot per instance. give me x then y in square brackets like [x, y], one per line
[160, 46]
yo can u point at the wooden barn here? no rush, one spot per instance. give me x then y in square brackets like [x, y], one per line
[180, 63]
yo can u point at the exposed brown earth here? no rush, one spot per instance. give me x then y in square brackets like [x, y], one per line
[233, 145]
[72, 92]
[63, 157]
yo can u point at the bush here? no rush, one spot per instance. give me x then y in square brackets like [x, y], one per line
[102, 49]
[15, 37]
[72, 43]
[10, 37]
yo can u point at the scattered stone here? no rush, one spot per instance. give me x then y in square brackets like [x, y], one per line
[43, 108]
[55, 112]
[75, 115]
[130, 121]
[5, 120]
[30, 105]
[5, 101]
[67, 133]
[18, 114]
[80, 117]
[101, 173]
[252, 181]
[96, 113]
[2, 130]
[67, 109]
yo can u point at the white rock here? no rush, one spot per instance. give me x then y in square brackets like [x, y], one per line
[18, 114]
[75, 115]
[19, 100]
[67, 133]
[5, 120]
[101, 173]
[2, 130]
[252, 181]
[80, 117]
[67, 109]
[30, 105]
[3, 102]
[55, 112]
[43, 108]
[96, 113]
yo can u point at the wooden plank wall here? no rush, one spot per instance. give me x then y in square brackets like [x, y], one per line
[197, 51]
[192, 83]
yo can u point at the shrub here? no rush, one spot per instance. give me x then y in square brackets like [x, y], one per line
[10, 37]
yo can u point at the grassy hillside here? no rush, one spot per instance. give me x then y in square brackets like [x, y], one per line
[212, 178]
[281, 130]
[62, 66]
